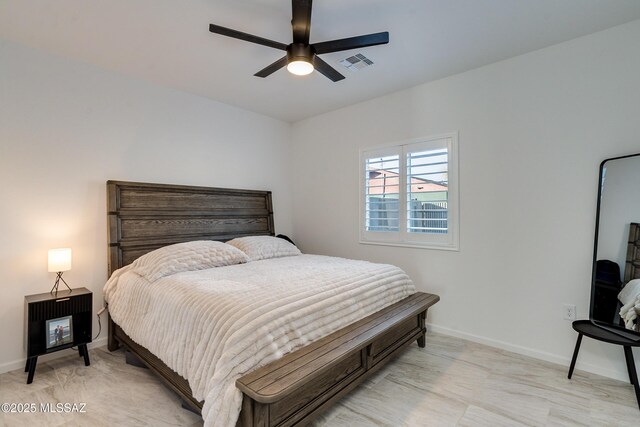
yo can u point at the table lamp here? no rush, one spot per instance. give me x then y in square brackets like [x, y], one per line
[59, 261]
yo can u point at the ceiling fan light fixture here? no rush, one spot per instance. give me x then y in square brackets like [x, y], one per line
[299, 59]
[300, 67]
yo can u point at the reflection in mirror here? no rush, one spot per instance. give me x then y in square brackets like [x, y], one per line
[615, 295]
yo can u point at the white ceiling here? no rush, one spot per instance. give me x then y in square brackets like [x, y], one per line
[168, 42]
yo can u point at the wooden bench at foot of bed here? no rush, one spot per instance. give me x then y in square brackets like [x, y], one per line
[294, 389]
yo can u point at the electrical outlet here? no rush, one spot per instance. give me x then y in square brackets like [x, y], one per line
[569, 311]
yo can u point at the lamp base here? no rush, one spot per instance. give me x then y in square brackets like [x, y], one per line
[54, 290]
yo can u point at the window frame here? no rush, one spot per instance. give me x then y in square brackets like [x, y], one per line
[449, 241]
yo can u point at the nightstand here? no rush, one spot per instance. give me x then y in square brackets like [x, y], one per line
[56, 322]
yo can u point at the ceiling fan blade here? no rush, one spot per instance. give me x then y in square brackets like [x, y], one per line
[326, 69]
[301, 20]
[270, 69]
[246, 37]
[352, 43]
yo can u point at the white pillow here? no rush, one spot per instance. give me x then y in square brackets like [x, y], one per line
[630, 292]
[264, 247]
[188, 256]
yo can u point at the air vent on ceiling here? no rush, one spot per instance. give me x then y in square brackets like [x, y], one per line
[356, 62]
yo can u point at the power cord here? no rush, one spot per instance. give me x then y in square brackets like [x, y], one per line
[99, 327]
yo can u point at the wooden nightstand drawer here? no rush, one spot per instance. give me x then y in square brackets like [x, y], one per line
[61, 306]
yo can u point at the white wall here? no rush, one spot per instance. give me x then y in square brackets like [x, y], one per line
[532, 132]
[66, 127]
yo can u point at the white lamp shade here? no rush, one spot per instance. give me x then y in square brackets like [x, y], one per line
[59, 260]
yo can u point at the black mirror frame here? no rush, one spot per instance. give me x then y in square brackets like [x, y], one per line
[609, 326]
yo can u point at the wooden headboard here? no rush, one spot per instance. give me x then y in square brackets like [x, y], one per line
[632, 265]
[143, 217]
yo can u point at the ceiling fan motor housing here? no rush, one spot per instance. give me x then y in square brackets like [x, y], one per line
[300, 52]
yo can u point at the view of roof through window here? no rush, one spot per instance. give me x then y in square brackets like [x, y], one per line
[426, 192]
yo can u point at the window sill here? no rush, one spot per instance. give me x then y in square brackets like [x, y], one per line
[455, 248]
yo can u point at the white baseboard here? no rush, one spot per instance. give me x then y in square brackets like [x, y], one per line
[526, 351]
[19, 364]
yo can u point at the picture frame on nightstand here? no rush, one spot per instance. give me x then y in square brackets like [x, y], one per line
[59, 331]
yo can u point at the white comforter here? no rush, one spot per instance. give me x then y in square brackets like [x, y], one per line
[213, 326]
[630, 299]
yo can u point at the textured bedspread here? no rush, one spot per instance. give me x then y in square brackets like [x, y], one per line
[630, 299]
[213, 326]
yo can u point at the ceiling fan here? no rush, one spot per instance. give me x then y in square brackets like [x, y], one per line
[302, 58]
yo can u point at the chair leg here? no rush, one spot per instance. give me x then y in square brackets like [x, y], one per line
[628, 358]
[633, 375]
[575, 356]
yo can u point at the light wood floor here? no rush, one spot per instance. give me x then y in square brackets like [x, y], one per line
[452, 382]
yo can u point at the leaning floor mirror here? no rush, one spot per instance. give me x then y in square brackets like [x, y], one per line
[615, 286]
[614, 314]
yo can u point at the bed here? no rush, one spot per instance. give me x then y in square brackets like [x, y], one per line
[629, 296]
[632, 264]
[295, 388]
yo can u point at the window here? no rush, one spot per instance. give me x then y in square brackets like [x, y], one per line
[409, 194]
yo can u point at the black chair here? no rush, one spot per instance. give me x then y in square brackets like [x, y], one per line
[592, 330]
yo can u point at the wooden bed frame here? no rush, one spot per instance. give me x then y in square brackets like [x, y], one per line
[289, 391]
[632, 264]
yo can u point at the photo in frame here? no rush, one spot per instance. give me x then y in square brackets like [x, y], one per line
[59, 331]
